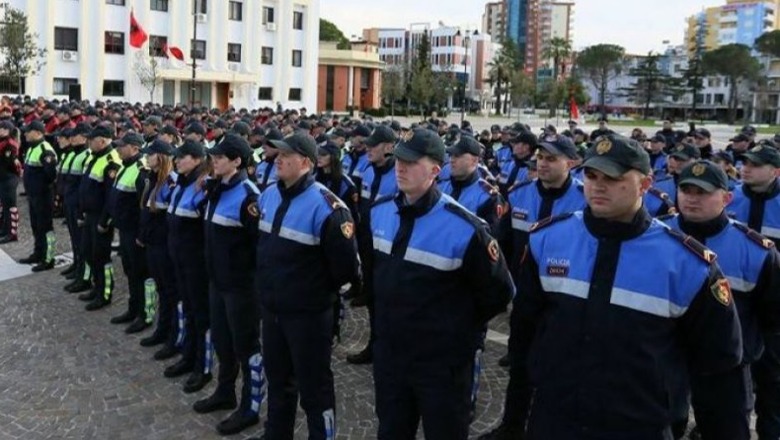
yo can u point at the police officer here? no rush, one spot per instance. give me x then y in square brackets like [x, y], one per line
[502, 148]
[218, 132]
[10, 170]
[601, 335]
[516, 169]
[460, 282]
[153, 236]
[40, 172]
[72, 171]
[681, 156]
[231, 224]
[151, 129]
[97, 235]
[749, 262]
[756, 203]
[305, 252]
[265, 172]
[355, 161]
[378, 181]
[124, 207]
[330, 173]
[186, 247]
[658, 157]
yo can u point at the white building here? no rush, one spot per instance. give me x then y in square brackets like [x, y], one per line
[250, 53]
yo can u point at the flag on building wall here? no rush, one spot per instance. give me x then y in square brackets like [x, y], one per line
[137, 34]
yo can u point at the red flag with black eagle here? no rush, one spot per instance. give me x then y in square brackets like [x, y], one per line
[137, 34]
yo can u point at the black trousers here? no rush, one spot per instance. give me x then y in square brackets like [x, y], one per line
[297, 351]
[96, 247]
[135, 268]
[10, 212]
[766, 373]
[75, 234]
[161, 270]
[189, 266]
[547, 425]
[41, 222]
[235, 330]
[517, 401]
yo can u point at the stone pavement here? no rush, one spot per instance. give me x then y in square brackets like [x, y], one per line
[68, 374]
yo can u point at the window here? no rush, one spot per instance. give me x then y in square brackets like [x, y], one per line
[297, 58]
[159, 5]
[10, 85]
[265, 93]
[66, 38]
[297, 20]
[115, 42]
[115, 2]
[62, 85]
[198, 49]
[295, 94]
[267, 55]
[235, 11]
[268, 14]
[199, 6]
[113, 88]
[234, 52]
[157, 45]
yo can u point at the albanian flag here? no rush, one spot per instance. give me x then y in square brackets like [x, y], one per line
[573, 109]
[137, 34]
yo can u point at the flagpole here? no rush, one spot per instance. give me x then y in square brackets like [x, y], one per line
[192, 52]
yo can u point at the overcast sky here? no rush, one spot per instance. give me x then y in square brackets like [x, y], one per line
[637, 25]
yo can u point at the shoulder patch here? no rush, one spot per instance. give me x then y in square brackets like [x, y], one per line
[693, 245]
[334, 202]
[383, 199]
[541, 224]
[754, 236]
[487, 187]
[661, 195]
[465, 214]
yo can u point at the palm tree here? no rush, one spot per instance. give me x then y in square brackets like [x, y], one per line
[558, 50]
[501, 69]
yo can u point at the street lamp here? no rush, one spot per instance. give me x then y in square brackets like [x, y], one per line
[467, 45]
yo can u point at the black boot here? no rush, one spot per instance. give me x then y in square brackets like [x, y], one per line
[167, 352]
[124, 318]
[79, 286]
[216, 402]
[32, 259]
[98, 303]
[90, 295]
[155, 338]
[42, 266]
[73, 275]
[504, 432]
[238, 421]
[8, 239]
[180, 368]
[504, 361]
[196, 382]
[137, 326]
[362, 357]
[69, 270]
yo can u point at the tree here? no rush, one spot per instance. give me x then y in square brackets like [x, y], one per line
[331, 32]
[501, 68]
[769, 43]
[601, 63]
[148, 71]
[393, 85]
[735, 62]
[652, 85]
[558, 49]
[521, 88]
[422, 79]
[19, 49]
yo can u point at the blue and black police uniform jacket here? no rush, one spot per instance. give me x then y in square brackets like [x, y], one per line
[761, 212]
[503, 155]
[658, 164]
[668, 186]
[530, 202]
[750, 263]
[513, 171]
[71, 179]
[153, 222]
[94, 188]
[306, 247]
[439, 278]
[265, 173]
[231, 231]
[354, 164]
[185, 214]
[344, 189]
[478, 196]
[658, 203]
[608, 314]
[124, 203]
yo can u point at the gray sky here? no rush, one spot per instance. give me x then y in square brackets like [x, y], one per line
[637, 25]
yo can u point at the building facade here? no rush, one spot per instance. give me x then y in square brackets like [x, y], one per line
[248, 53]
[349, 79]
[494, 20]
[531, 24]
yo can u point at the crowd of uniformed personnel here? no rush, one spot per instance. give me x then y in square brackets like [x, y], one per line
[642, 271]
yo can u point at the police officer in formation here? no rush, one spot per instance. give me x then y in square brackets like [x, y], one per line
[438, 273]
[600, 339]
[71, 172]
[10, 171]
[305, 252]
[750, 263]
[40, 173]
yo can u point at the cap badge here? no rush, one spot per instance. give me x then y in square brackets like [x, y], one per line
[604, 146]
[407, 136]
[680, 147]
[698, 169]
[757, 148]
